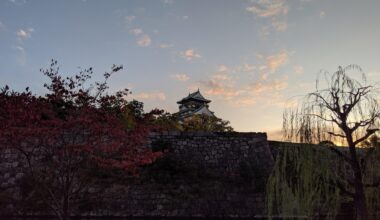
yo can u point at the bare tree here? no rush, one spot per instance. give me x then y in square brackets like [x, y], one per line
[345, 111]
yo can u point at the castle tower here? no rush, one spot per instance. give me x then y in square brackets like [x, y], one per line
[194, 103]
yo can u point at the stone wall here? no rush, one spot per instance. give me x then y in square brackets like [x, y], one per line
[12, 165]
[221, 152]
[218, 154]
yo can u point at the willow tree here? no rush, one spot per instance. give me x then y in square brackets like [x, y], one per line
[344, 110]
[300, 186]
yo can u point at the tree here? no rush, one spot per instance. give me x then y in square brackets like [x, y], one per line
[170, 122]
[206, 123]
[303, 182]
[346, 111]
[68, 134]
[164, 120]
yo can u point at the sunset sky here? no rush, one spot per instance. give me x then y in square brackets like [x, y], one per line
[249, 57]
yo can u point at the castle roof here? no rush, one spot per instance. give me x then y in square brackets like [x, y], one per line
[196, 96]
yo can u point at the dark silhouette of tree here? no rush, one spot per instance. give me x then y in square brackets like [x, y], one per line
[345, 111]
[327, 143]
[69, 133]
[170, 122]
[206, 123]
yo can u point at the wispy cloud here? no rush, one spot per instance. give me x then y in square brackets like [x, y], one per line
[136, 31]
[150, 96]
[190, 54]
[322, 14]
[245, 95]
[279, 25]
[264, 32]
[18, 2]
[167, 2]
[268, 8]
[223, 68]
[130, 18]
[21, 57]
[144, 40]
[164, 46]
[298, 70]
[19, 48]
[270, 64]
[265, 86]
[235, 86]
[23, 34]
[221, 84]
[219, 88]
[274, 11]
[246, 67]
[180, 77]
[278, 99]
[273, 62]
[246, 101]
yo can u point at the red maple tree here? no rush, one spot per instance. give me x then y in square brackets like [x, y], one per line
[70, 132]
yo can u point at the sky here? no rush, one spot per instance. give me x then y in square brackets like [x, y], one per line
[250, 57]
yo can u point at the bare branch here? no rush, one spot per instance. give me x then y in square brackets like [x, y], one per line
[356, 97]
[319, 96]
[336, 135]
[362, 123]
[323, 118]
[367, 135]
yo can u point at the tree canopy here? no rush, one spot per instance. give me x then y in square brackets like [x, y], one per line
[345, 110]
[68, 133]
[206, 123]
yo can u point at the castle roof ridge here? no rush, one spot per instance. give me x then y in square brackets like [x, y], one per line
[195, 95]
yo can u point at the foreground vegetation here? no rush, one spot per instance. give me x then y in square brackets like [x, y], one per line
[78, 139]
[344, 110]
[310, 180]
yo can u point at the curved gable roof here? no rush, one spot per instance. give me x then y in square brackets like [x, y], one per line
[194, 96]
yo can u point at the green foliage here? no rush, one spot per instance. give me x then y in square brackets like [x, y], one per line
[136, 108]
[164, 120]
[345, 110]
[206, 123]
[170, 122]
[372, 174]
[303, 183]
[302, 171]
[327, 143]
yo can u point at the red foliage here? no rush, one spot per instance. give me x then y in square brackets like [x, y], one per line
[70, 129]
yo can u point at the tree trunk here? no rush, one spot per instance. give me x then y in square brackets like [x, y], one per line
[66, 213]
[360, 198]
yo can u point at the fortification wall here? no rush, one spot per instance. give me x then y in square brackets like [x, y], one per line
[219, 154]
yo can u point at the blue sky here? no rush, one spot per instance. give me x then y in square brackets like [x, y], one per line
[249, 57]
